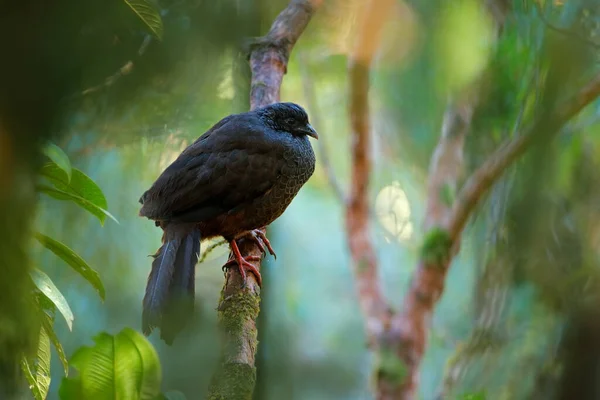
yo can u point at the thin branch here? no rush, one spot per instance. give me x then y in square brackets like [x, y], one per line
[312, 105]
[364, 263]
[409, 329]
[563, 31]
[447, 163]
[209, 250]
[239, 306]
[490, 171]
[126, 69]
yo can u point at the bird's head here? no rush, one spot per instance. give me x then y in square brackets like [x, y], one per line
[289, 117]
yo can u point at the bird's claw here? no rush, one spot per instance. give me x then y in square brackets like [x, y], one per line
[244, 265]
[232, 261]
[261, 241]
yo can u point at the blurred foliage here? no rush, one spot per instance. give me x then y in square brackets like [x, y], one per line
[121, 366]
[131, 99]
[68, 184]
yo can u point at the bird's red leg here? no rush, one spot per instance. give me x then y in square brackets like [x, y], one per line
[261, 240]
[243, 263]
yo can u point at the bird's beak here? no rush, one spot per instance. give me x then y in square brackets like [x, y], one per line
[310, 131]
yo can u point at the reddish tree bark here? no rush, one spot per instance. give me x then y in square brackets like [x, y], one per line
[239, 306]
[364, 263]
[426, 288]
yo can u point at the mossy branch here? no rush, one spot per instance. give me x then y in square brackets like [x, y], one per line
[240, 304]
[236, 377]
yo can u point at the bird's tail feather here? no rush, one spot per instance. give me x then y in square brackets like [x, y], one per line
[169, 298]
[180, 303]
[157, 288]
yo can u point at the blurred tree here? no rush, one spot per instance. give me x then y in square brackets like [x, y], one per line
[404, 335]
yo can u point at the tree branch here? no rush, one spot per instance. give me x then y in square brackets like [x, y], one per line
[411, 325]
[564, 31]
[492, 169]
[269, 55]
[447, 163]
[239, 306]
[364, 263]
[409, 329]
[124, 70]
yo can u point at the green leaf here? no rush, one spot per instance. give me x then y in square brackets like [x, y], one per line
[74, 260]
[59, 157]
[100, 213]
[149, 15]
[124, 366]
[47, 287]
[48, 326]
[37, 371]
[70, 389]
[81, 189]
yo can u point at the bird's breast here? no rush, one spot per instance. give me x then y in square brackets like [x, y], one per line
[299, 160]
[297, 166]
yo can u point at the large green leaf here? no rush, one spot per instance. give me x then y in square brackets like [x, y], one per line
[70, 388]
[47, 287]
[80, 189]
[37, 371]
[149, 15]
[100, 213]
[124, 366]
[74, 260]
[59, 157]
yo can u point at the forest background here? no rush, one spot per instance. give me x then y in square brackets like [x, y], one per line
[451, 133]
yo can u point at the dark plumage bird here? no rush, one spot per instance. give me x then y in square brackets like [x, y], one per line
[237, 177]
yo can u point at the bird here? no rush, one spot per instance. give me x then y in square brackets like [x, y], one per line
[235, 179]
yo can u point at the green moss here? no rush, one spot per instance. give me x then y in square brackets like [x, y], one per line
[436, 247]
[447, 194]
[390, 367]
[237, 309]
[233, 382]
[237, 313]
[363, 265]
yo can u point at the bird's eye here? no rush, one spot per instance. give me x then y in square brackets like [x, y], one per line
[290, 121]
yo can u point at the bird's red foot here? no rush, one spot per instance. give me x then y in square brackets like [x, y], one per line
[243, 263]
[261, 240]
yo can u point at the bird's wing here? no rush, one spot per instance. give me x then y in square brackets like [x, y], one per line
[230, 165]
